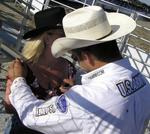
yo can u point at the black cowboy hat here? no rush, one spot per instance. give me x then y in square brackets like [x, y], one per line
[50, 18]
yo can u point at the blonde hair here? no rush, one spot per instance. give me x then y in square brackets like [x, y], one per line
[33, 48]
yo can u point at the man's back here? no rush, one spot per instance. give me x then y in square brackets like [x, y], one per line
[114, 99]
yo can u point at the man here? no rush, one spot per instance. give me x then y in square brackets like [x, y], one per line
[113, 97]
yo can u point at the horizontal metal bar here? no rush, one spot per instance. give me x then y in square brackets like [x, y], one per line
[146, 28]
[55, 1]
[14, 53]
[140, 38]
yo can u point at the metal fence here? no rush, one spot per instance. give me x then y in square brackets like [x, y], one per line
[139, 54]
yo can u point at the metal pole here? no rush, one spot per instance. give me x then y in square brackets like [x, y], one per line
[23, 23]
[126, 38]
[46, 4]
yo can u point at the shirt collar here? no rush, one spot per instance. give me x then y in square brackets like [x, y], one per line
[106, 69]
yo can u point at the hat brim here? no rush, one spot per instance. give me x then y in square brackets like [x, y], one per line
[121, 25]
[35, 32]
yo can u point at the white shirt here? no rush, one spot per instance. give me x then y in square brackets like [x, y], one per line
[113, 99]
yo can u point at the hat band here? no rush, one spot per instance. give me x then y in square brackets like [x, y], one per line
[96, 32]
[85, 26]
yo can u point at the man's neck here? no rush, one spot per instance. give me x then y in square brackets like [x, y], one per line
[98, 64]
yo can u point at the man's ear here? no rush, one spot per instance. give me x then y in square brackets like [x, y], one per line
[88, 58]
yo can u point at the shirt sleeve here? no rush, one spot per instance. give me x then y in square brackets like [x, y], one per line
[52, 116]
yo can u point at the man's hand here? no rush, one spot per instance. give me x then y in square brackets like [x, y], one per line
[16, 69]
[67, 84]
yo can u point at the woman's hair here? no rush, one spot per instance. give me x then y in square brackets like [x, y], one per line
[33, 48]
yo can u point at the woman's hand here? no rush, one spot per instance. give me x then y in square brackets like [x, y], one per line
[16, 69]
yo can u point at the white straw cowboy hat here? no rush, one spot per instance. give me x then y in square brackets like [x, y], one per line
[89, 26]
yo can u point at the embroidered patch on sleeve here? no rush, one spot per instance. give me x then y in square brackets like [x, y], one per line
[45, 110]
[61, 104]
